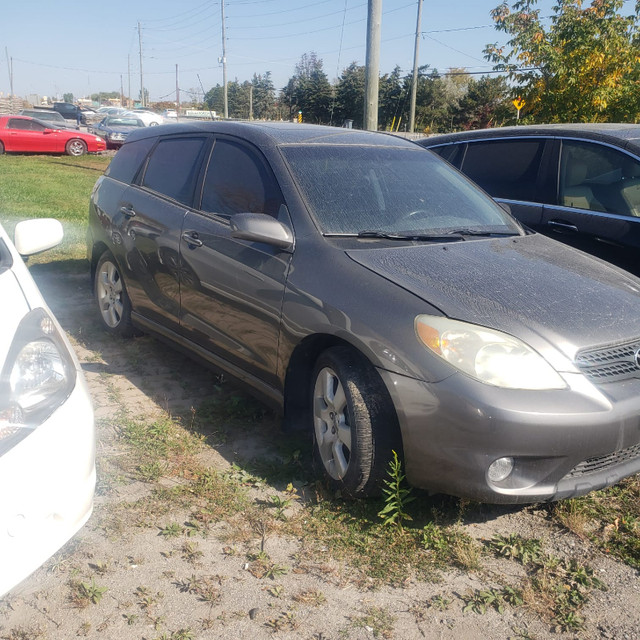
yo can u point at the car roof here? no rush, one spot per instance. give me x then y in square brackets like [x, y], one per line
[278, 133]
[623, 135]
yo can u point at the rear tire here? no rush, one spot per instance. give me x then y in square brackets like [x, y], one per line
[111, 296]
[76, 147]
[355, 426]
[1, 148]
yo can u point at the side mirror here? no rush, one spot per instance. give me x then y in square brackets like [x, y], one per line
[47, 131]
[259, 227]
[34, 236]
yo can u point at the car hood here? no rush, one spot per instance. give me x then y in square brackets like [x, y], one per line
[530, 286]
[119, 129]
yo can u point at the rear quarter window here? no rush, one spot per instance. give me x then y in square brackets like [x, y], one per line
[128, 160]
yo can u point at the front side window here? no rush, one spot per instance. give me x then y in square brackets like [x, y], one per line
[353, 189]
[25, 125]
[173, 168]
[598, 178]
[238, 181]
[505, 168]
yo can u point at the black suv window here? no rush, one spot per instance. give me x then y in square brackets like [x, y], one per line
[599, 178]
[127, 161]
[505, 168]
[238, 181]
[173, 168]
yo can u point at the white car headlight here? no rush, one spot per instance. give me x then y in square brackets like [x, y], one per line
[37, 377]
[487, 355]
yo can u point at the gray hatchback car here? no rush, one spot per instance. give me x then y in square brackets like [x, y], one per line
[380, 300]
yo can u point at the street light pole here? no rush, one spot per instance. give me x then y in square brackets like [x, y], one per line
[374, 19]
[414, 81]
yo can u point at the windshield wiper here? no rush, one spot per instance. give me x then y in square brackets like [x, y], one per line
[421, 237]
[476, 232]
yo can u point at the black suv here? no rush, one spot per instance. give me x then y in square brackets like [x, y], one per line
[579, 183]
[69, 111]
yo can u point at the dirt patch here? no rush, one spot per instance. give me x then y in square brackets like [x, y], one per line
[144, 568]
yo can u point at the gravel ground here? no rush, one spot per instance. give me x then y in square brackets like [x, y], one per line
[151, 580]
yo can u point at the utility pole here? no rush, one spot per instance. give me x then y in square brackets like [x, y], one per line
[414, 81]
[251, 102]
[129, 80]
[224, 64]
[142, 100]
[10, 69]
[177, 96]
[372, 71]
[121, 91]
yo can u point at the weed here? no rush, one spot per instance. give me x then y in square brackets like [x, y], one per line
[478, 601]
[439, 602]
[172, 530]
[517, 548]
[284, 621]
[451, 544]
[182, 634]
[85, 593]
[280, 505]
[396, 495]
[99, 567]
[378, 620]
[277, 590]
[314, 598]
[130, 618]
[190, 552]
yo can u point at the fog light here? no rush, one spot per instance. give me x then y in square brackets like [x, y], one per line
[500, 469]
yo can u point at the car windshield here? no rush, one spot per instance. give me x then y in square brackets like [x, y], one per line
[369, 191]
[123, 122]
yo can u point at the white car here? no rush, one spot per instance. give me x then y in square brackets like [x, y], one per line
[149, 118]
[47, 439]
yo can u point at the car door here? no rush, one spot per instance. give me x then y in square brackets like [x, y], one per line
[514, 171]
[27, 135]
[597, 206]
[232, 290]
[151, 214]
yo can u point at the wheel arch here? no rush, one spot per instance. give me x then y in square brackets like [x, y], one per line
[297, 412]
[96, 252]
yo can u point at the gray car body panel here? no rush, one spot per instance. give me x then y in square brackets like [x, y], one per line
[452, 426]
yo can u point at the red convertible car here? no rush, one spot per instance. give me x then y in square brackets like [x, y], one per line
[24, 134]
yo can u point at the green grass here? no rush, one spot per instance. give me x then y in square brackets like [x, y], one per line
[34, 186]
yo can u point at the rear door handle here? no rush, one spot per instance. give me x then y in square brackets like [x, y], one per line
[563, 226]
[128, 211]
[191, 238]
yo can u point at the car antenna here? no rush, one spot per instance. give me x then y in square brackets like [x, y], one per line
[203, 94]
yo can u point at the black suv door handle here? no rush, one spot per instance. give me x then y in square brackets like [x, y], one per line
[191, 238]
[563, 226]
[128, 211]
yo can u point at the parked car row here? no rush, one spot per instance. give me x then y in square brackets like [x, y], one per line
[380, 300]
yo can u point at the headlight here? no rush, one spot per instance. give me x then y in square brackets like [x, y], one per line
[38, 376]
[487, 355]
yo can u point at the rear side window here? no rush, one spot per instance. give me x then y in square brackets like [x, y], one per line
[127, 161]
[452, 153]
[238, 181]
[505, 168]
[173, 168]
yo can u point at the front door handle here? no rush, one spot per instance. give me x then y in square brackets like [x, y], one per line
[563, 226]
[128, 211]
[192, 239]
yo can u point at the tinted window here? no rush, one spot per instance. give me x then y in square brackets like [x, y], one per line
[505, 168]
[451, 153]
[127, 161]
[599, 178]
[350, 189]
[25, 125]
[238, 181]
[173, 168]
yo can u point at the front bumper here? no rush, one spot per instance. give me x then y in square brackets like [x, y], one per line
[48, 482]
[564, 443]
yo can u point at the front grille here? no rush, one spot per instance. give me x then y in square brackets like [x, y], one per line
[610, 363]
[593, 465]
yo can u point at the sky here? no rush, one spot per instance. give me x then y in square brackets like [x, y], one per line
[95, 46]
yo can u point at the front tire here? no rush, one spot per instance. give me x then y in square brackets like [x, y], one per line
[76, 147]
[112, 299]
[355, 426]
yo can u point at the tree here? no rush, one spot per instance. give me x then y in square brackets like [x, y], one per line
[583, 67]
[486, 103]
[349, 96]
[309, 91]
[263, 96]
[67, 97]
